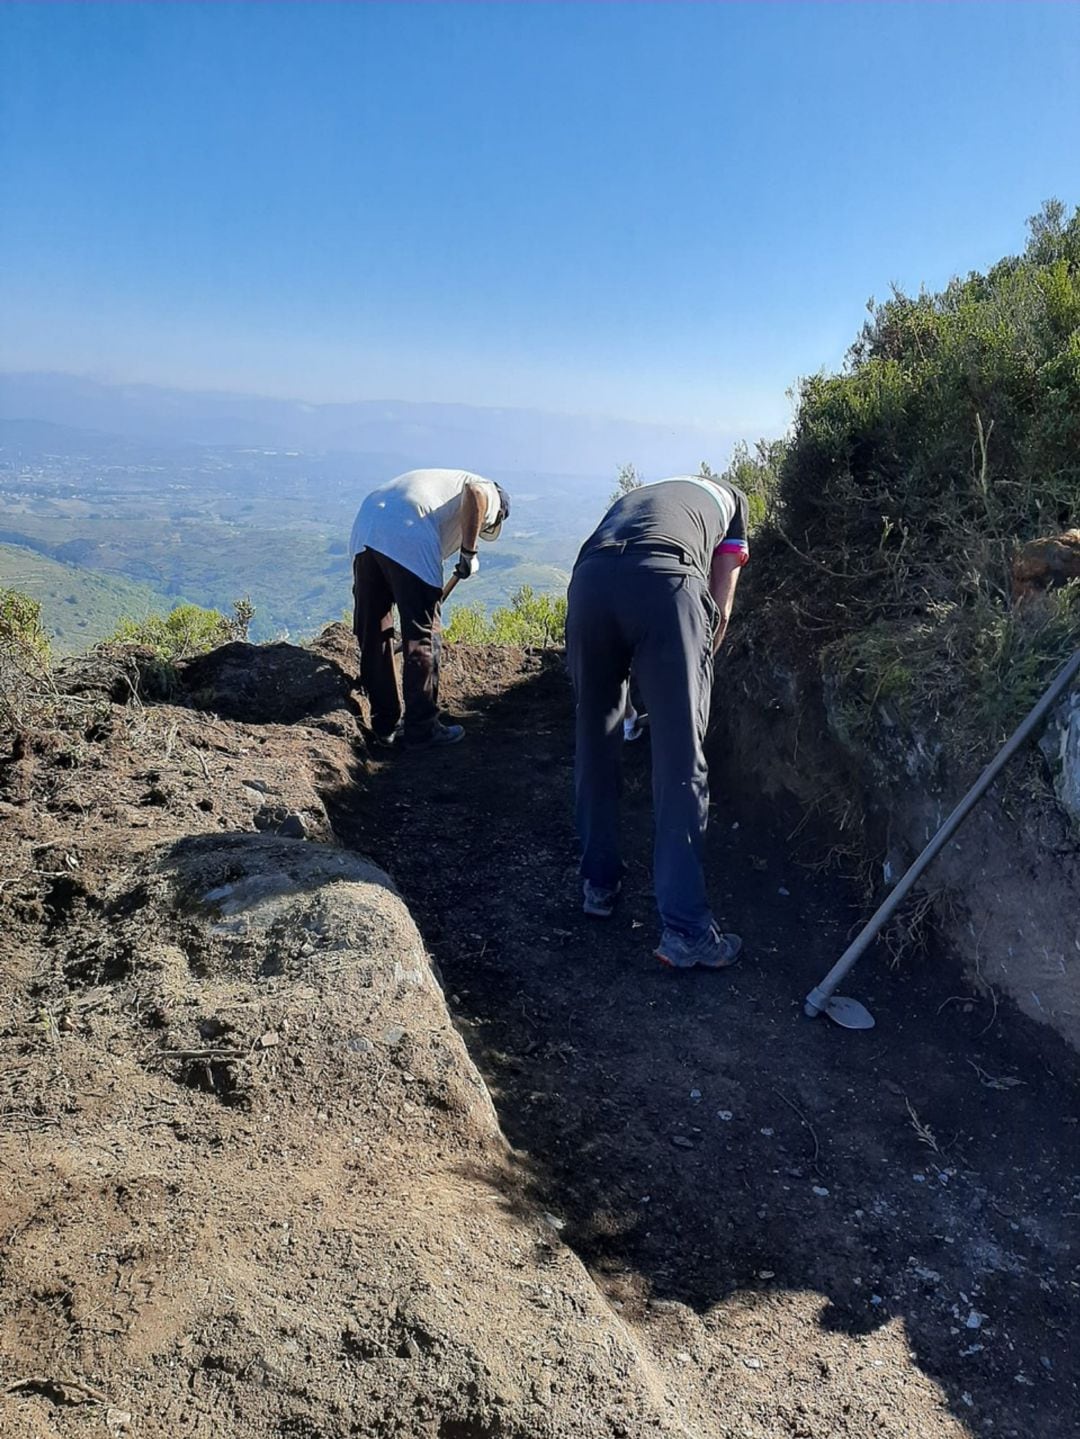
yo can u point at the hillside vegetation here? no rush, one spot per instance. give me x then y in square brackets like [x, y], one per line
[79, 607]
[912, 480]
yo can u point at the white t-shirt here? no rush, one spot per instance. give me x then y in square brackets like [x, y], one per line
[416, 519]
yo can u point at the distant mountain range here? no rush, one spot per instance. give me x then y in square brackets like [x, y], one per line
[406, 434]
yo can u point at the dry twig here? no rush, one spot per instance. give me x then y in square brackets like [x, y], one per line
[813, 1132]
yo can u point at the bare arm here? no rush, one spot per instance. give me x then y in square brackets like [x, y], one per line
[473, 513]
[723, 577]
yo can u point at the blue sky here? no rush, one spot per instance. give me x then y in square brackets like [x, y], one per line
[663, 211]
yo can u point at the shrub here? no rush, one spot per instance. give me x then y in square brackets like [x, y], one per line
[530, 620]
[627, 480]
[26, 688]
[951, 437]
[186, 631]
[21, 630]
[757, 473]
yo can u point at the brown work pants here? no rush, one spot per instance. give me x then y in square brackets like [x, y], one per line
[380, 583]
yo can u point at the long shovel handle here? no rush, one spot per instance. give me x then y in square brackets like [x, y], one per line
[448, 587]
[819, 997]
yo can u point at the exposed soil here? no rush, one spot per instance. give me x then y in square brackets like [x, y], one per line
[251, 1184]
[815, 1232]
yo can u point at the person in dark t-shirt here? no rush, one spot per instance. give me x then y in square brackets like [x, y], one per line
[652, 588]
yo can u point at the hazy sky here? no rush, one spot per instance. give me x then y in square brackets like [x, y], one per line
[665, 211]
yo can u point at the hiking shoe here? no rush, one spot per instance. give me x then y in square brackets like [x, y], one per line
[600, 899]
[711, 950]
[441, 735]
[633, 729]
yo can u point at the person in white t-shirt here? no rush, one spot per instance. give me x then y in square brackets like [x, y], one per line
[404, 532]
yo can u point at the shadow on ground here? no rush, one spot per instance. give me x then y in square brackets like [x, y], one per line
[706, 1145]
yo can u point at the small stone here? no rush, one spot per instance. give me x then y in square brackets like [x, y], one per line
[118, 1419]
[876, 1299]
[785, 892]
[292, 827]
[682, 1141]
[393, 1036]
[269, 1039]
[695, 1095]
[821, 1191]
[919, 1178]
[768, 1133]
[766, 1274]
[554, 1221]
[682, 1357]
[752, 1363]
[974, 1320]
[359, 1045]
[725, 1114]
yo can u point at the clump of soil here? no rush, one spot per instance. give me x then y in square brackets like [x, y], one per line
[251, 1182]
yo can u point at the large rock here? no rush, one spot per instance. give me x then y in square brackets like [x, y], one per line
[1046, 563]
[262, 1189]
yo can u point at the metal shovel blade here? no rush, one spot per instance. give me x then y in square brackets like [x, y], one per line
[849, 1013]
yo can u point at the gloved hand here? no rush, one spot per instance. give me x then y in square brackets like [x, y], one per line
[468, 563]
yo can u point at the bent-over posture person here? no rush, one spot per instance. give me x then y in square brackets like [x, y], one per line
[653, 587]
[403, 533]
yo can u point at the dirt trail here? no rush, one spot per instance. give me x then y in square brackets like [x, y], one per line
[251, 1183]
[811, 1232]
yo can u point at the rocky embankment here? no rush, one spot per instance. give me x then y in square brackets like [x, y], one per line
[1002, 894]
[250, 1180]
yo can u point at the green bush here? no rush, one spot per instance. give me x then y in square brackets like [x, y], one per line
[21, 630]
[530, 620]
[186, 631]
[951, 438]
[26, 688]
[627, 480]
[757, 473]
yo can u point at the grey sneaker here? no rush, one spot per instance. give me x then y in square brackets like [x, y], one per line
[599, 899]
[711, 950]
[441, 734]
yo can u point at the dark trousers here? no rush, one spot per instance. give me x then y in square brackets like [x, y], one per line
[380, 583]
[643, 610]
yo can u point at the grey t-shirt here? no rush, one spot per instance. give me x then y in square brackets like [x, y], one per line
[416, 520]
[684, 513]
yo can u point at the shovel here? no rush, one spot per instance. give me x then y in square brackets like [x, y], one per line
[849, 1013]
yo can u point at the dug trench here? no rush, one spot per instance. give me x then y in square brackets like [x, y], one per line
[254, 1186]
[816, 1231]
